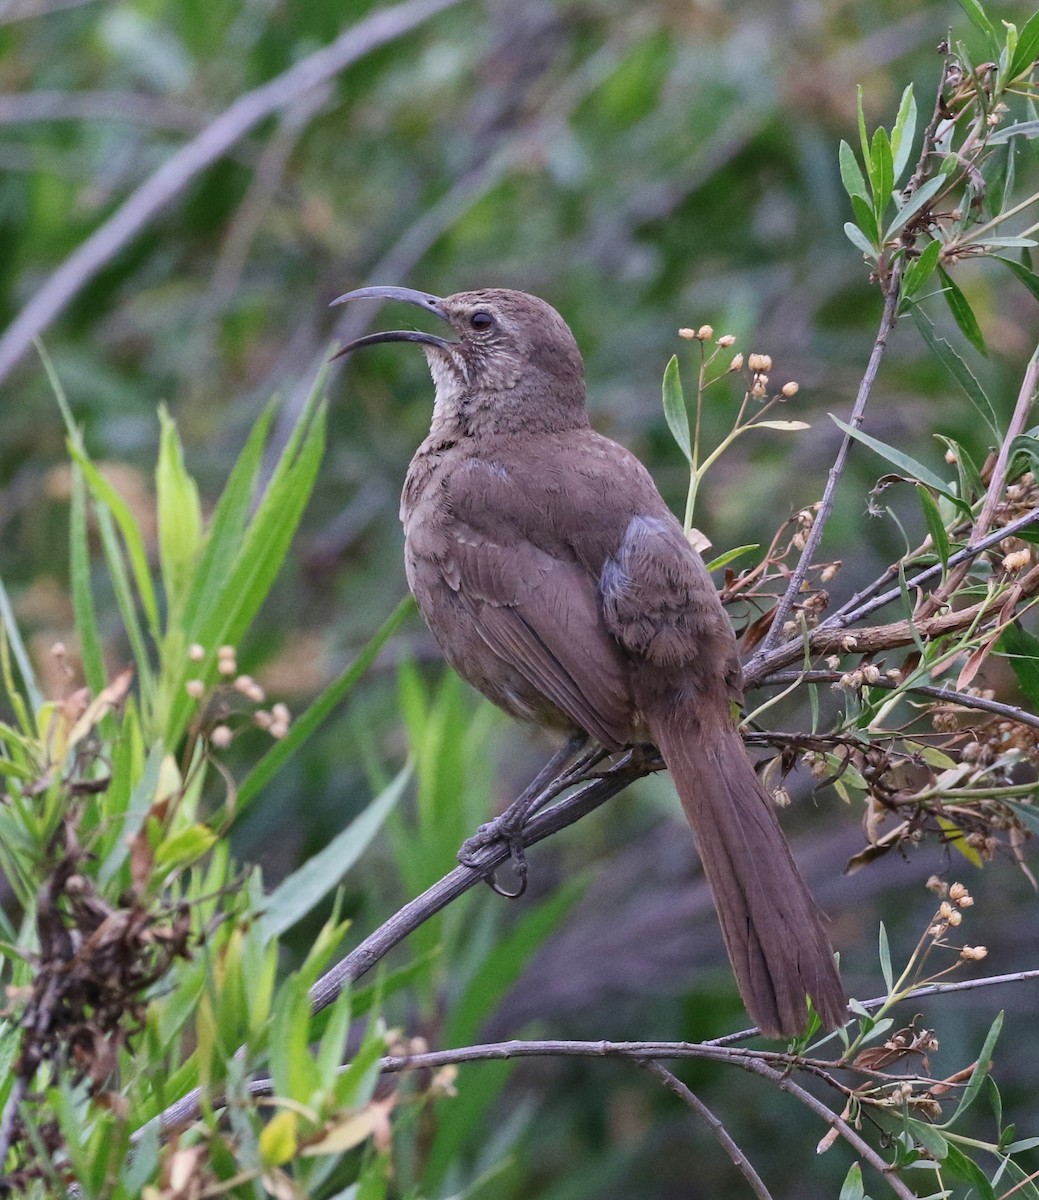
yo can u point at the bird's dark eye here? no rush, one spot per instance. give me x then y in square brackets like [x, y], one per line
[481, 320]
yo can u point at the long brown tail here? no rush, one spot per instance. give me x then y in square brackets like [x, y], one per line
[772, 928]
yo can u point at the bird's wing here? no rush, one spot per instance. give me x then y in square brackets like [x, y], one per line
[540, 614]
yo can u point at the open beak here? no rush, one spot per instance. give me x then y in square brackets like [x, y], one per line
[424, 300]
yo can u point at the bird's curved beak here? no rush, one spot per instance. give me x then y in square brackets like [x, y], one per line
[424, 300]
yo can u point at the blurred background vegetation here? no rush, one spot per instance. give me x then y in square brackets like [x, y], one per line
[642, 167]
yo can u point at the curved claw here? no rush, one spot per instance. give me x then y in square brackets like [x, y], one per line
[519, 863]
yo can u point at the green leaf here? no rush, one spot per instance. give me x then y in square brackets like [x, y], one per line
[903, 132]
[968, 1170]
[1021, 649]
[1025, 129]
[882, 175]
[1026, 813]
[675, 412]
[970, 1092]
[859, 240]
[919, 270]
[909, 466]
[935, 526]
[223, 539]
[104, 493]
[1027, 277]
[866, 220]
[863, 135]
[261, 554]
[959, 370]
[295, 896]
[962, 313]
[885, 960]
[82, 593]
[1027, 49]
[913, 205]
[723, 560]
[980, 21]
[852, 1188]
[930, 1138]
[851, 176]
[179, 517]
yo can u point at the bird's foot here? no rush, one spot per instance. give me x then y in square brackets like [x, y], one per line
[499, 830]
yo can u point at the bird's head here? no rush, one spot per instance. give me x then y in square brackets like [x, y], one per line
[512, 363]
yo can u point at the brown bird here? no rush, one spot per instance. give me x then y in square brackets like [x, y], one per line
[559, 584]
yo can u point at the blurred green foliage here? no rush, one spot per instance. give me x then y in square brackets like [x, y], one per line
[643, 168]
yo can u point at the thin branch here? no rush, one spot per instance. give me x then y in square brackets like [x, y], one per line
[854, 1139]
[888, 319]
[174, 176]
[785, 606]
[1018, 423]
[739, 1160]
[948, 695]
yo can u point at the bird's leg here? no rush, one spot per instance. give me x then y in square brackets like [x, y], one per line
[554, 777]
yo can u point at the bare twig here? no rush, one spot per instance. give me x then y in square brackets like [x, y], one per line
[888, 318]
[855, 1140]
[739, 1160]
[948, 695]
[173, 177]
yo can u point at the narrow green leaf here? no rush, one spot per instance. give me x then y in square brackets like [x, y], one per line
[1025, 129]
[104, 493]
[723, 560]
[675, 412]
[1027, 49]
[13, 638]
[919, 270]
[970, 1092]
[863, 135]
[224, 536]
[304, 726]
[913, 205]
[782, 426]
[82, 594]
[852, 1188]
[903, 132]
[1027, 814]
[980, 21]
[296, 895]
[968, 1170]
[851, 176]
[928, 1137]
[1029, 278]
[179, 517]
[909, 466]
[261, 554]
[882, 175]
[859, 240]
[1021, 649]
[962, 312]
[935, 526]
[959, 370]
[866, 220]
[885, 960]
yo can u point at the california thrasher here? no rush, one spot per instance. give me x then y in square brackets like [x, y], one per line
[559, 584]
